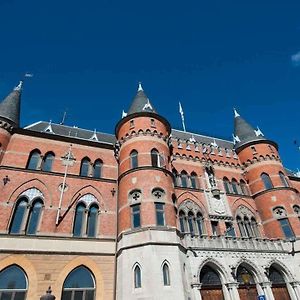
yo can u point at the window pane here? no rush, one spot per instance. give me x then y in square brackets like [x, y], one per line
[84, 170]
[267, 181]
[183, 180]
[97, 169]
[181, 221]
[78, 295]
[191, 225]
[160, 218]
[134, 159]
[34, 161]
[47, 163]
[136, 222]
[6, 296]
[18, 217]
[137, 277]
[92, 221]
[154, 158]
[89, 295]
[20, 296]
[194, 181]
[286, 228]
[34, 218]
[166, 275]
[66, 295]
[81, 277]
[234, 187]
[78, 223]
[12, 278]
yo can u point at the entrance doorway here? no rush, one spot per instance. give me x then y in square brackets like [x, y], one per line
[247, 287]
[279, 288]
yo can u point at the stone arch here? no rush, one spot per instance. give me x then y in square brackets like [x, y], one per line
[33, 183]
[89, 189]
[287, 274]
[189, 196]
[251, 266]
[28, 268]
[242, 202]
[70, 266]
[217, 266]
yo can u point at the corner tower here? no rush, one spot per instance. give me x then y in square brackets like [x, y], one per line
[273, 194]
[147, 237]
[9, 115]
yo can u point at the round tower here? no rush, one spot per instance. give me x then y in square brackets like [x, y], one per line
[9, 116]
[276, 200]
[145, 181]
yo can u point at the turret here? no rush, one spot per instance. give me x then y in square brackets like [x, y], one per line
[145, 181]
[270, 187]
[9, 116]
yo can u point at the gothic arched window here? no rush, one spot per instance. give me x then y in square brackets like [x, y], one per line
[209, 277]
[244, 188]
[134, 159]
[79, 285]
[13, 283]
[155, 161]
[244, 276]
[34, 160]
[235, 187]
[166, 274]
[283, 180]
[226, 185]
[34, 216]
[182, 218]
[191, 220]
[267, 181]
[48, 161]
[92, 221]
[137, 277]
[194, 180]
[18, 221]
[184, 179]
[97, 168]
[200, 223]
[79, 220]
[85, 167]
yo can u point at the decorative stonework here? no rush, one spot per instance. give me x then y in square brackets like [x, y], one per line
[32, 194]
[88, 199]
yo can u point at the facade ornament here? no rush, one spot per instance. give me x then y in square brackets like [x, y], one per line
[19, 86]
[147, 105]
[124, 114]
[258, 132]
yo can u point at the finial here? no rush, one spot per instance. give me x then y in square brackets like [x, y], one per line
[236, 114]
[140, 88]
[19, 86]
[124, 114]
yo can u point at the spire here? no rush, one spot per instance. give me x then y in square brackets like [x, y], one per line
[10, 106]
[244, 133]
[141, 102]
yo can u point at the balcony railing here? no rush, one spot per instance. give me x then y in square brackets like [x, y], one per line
[232, 243]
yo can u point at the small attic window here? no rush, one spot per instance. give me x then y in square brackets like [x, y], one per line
[152, 122]
[253, 150]
[131, 123]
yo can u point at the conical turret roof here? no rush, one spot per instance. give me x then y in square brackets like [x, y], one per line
[10, 106]
[141, 103]
[244, 133]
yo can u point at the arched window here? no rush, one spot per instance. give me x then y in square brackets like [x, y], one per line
[275, 276]
[97, 168]
[85, 167]
[184, 179]
[254, 227]
[134, 159]
[13, 283]
[226, 185]
[79, 220]
[267, 181]
[155, 162]
[34, 160]
[175, 177]
[182, 221]
[200, 223]
[92, 221]
[241, 226]
[34, 216]
[194, 180]
[79, 285]
[137, 277]
[244, 276]
[280, 214]
[48, 161]
[235, 187]
[166, 274]
[209, 277]
[247, 227]
[283, 180]
[191, 219]
[244, 188]
[17, 222]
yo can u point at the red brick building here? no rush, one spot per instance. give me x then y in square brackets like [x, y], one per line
[148, 213]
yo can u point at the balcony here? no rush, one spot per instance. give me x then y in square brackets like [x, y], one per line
[226, 243]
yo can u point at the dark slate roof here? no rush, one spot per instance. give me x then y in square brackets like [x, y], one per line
[74, 132]
[201, 139]
[10, 106]
[245, 132]
[140, 103]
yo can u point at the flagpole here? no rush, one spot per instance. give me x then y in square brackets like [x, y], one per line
[182, 116]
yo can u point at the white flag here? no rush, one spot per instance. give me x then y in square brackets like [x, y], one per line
[180, 109]
[182, 116]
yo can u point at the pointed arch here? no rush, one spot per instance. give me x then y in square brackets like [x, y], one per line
[252, 266]
[287, 274]
[97, 168]
[137, 276]
[34, 160]
[166, 273]
[47, 161]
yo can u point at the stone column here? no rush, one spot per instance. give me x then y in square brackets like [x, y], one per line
[296, 287]
[196, 287]
[233, 290]
[266, 287]
[292, 288]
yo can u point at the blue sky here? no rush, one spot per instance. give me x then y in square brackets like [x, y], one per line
[88, 56]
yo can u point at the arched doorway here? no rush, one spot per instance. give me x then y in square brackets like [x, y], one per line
[247, 287]
[211, 288]
[279, 287]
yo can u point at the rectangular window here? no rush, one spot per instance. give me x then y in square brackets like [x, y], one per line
[136, 216]
[215, 227]
[286, 228]
[229, 229]
[160, 214]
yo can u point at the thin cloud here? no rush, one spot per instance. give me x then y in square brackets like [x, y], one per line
[296, 59]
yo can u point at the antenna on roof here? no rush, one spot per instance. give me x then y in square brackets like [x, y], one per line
[63, 118]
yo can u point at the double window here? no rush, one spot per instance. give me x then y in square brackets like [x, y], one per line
[266, 181]
[87, 169]
[38, 162]
[26, 216]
